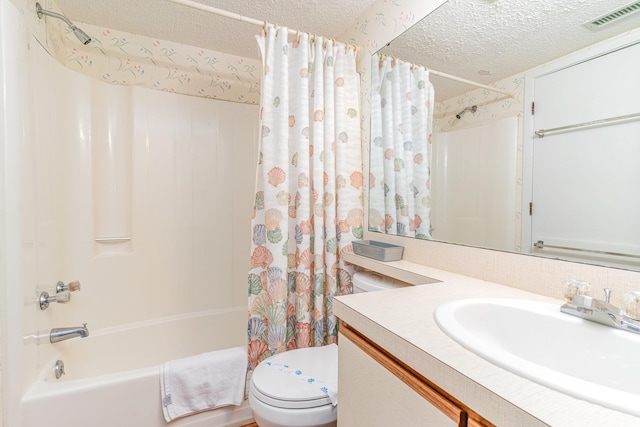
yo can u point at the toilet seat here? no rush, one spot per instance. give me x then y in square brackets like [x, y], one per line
[295, 379]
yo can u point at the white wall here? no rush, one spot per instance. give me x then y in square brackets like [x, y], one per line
[183, 170]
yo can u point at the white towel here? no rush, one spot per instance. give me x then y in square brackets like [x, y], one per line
[203, 382]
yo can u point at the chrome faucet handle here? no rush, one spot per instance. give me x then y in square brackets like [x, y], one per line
[71, 286]
[607, 294]
[61, 297]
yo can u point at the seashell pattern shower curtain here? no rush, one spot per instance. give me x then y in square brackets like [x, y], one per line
[402, 103]
[308, 202]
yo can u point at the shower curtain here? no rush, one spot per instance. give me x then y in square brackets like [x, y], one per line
[401, 124]
[308, 202]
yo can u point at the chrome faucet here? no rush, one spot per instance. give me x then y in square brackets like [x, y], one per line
[61, 334]
[600, 311]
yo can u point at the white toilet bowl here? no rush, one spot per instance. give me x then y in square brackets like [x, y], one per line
[286, 389]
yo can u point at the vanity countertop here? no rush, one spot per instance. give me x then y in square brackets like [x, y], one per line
[401, 321]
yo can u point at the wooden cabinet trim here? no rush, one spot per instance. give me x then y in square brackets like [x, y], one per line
[446, 403]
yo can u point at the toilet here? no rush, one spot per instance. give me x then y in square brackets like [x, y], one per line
[296, 388]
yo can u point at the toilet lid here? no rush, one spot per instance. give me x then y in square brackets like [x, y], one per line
[302, 378]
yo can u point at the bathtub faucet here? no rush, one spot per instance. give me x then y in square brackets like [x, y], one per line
[61, 334]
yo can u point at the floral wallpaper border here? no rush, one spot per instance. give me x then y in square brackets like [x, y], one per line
[122, 58]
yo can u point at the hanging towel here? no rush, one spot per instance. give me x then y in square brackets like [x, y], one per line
[203, 382]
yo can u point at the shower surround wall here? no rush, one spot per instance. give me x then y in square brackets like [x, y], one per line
[143, 196]
[175, 171]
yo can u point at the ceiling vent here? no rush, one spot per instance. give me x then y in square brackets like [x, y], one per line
[613, 16]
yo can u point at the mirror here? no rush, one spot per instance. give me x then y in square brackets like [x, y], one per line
[495, 42]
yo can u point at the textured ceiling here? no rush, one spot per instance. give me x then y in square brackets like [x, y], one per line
[462, 37]
[164, 20]
[469, 38]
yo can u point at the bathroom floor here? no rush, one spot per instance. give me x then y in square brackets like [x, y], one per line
[251, 425]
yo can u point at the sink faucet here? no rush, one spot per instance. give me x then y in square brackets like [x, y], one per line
[61, 334]
[600, 311]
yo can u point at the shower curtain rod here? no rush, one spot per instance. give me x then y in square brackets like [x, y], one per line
[241, 18]
[461, 80]
[471, 82]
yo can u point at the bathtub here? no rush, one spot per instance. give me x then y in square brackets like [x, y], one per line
[113, 376]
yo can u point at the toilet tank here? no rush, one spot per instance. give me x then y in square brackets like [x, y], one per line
[369, 282]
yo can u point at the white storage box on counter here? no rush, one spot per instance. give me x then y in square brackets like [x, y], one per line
[378, 250]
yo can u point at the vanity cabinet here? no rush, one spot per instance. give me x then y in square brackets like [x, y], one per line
[375, 389]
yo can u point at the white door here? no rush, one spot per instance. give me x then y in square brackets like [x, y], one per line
[586, 179]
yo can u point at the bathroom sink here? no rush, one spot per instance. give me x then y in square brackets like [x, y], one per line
[535, 340]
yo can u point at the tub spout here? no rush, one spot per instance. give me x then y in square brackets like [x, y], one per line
[61, 334]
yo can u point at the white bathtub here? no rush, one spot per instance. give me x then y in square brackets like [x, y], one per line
[112, 376]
